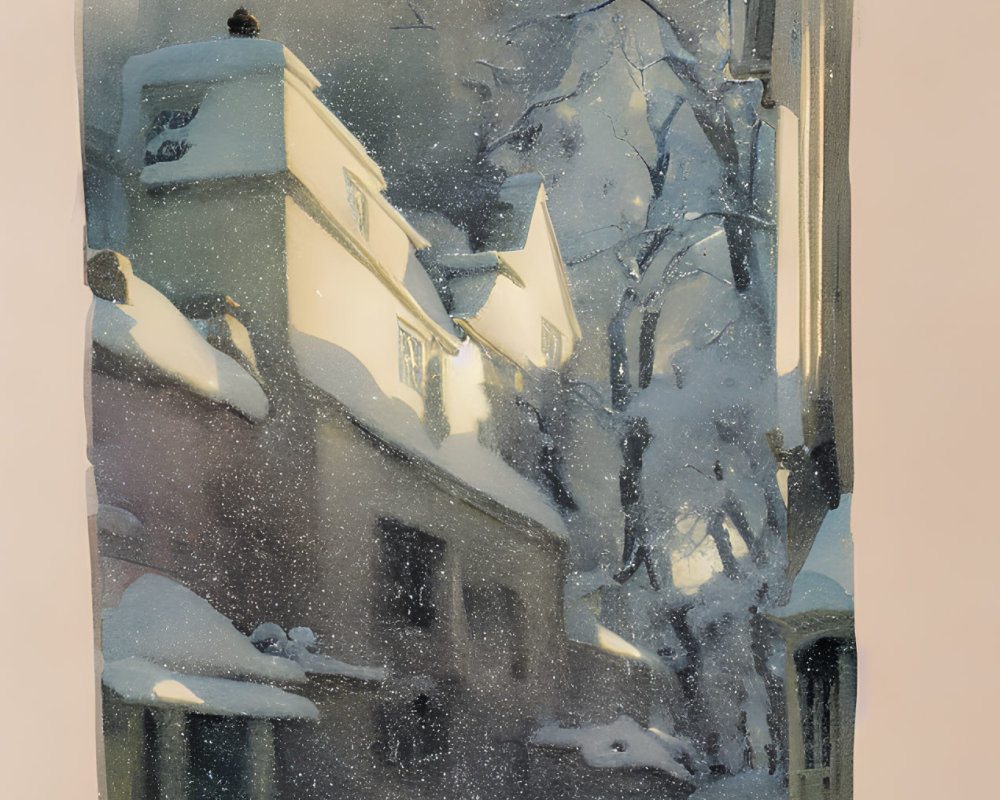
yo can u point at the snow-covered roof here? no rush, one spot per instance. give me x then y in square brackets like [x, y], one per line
[507, 228]
[460, 456]
[321, 664]
[136, 680]
[118, 521]
[815, 592]
[826, 580]
[471, 279]
[296, 644]
[167, 624]
[421, 288]
[154, 336]
[214, 62]
[622, 744]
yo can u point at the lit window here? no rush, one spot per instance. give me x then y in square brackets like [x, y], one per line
[551, 344]
[411, 359]
[358, 203]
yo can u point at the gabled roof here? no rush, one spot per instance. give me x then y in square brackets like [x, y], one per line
[470, 279]
[165, 623]
[507, 228]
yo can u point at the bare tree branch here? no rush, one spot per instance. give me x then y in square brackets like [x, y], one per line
[565, 16]
[504, 76]
[614, 132]
[521, 124]
[420, 21]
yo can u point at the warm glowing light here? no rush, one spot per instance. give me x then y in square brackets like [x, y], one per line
[172, 691]
[613, 643]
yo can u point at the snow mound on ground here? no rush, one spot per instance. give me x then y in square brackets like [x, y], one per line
[623, 743]
[169, 625]
[151, 333]
[138, 681]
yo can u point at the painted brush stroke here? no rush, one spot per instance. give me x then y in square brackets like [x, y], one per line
[471, 398]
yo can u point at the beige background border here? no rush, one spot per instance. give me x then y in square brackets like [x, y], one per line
[924, 159]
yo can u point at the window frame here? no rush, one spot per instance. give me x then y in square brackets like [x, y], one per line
[411, 562]
[357, 202]
[412, 357]
[550, 343]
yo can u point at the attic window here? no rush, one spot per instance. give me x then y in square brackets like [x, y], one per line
[358, 203]
[411, 359]
[551, 344]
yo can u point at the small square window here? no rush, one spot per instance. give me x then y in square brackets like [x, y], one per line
[411, 359]
[357, 200]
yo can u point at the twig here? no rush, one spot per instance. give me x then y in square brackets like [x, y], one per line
[420, 21]
[565, 16]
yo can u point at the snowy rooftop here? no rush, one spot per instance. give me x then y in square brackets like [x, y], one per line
[461, 456]
[826, 581]
[168, 625]
[136, 680]
[219, 66]
[153, 336]
[470, 278]
[298, 645]
[508, 225]
[815, 592]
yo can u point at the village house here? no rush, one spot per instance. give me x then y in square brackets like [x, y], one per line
[332, 558]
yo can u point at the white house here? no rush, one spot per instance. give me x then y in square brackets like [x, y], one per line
[290, 422]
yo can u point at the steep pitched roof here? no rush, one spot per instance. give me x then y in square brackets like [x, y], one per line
[507, 228]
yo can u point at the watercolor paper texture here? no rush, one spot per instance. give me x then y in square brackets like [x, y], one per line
[471, 403]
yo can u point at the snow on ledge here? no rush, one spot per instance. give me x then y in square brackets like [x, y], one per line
[813, 591]
[270, 637]
[192, 64]
[343, 376]
[136, 680]
[622, 744]
[151, 332]
[168, 625]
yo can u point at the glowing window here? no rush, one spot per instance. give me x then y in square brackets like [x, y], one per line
[358, 203]
[411, 359]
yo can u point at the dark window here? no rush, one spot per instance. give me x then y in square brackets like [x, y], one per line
[150, 755]
[496, 619]
[818, 668]
[759, 30]
[410, 559]
[415, 729]
[217, 751]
